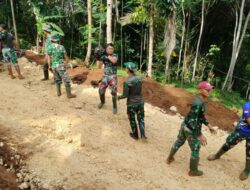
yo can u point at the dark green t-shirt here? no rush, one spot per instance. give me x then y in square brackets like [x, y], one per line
[132, 90]
[7, 39]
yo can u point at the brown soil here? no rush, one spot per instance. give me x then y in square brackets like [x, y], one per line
[8, 178]
[161, 96]
[38, 58]
[72, 145]
[78, 75]
[166, 96]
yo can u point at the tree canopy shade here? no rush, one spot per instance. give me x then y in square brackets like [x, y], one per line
[169, 40]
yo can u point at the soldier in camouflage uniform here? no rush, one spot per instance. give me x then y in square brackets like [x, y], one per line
[8, 52]
[109, 59]
[241, 132]
[132, 90]
[47, 32]
[191, 129]
[57, 57]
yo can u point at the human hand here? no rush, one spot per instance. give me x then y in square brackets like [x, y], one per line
[203, 140]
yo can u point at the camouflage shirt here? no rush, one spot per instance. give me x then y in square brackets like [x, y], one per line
[7, 39]
[132, 90]
[196, 116]
[109, 67]
[56, 53]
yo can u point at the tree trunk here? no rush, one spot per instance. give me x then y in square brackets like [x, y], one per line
[37, 43]
[122, 38]
[14, 21]
[141, 51]
[237, 42]
[114, 31]
[100, 28]
[170, 40]
[233, 53]
[87, 59]
[184, 66]
[199, 40]
[182, 39]
[151, 43]
[109, 20]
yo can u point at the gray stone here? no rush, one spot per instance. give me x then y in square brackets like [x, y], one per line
[1, 161]
[24, 185]
[173, 109]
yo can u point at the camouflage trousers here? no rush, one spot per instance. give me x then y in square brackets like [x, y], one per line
[60, 74]
[9, 56]
[193, 141]
[133, 111]
[233, 139]
[108, 81]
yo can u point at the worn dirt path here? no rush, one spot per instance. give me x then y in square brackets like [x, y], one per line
[71, 145]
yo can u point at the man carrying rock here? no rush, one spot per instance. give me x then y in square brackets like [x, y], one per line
[109, 79]
[8, 51]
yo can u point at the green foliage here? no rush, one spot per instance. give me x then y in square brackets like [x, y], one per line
[140, 15]
[165, 7]
[69, 18]
[207, 63]
[24, 44]
[231, 100]
[84, 30]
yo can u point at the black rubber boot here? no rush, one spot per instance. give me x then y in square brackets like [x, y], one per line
[244, 174]
[194, 168]
[216, 156]
[58, 89]
[142, 130]
[45, 72]
[102, 99]
[170, 158]
[68, 91]
[134, 134]
[114, 100]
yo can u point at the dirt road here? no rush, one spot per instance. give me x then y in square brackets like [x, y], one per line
[71, 145]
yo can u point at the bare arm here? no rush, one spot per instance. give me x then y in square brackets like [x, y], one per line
[99, 64]
[49, 61]
[66, 58]
[16, 45]
[112, 59]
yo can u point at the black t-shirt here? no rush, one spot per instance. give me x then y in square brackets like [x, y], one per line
[7, 39]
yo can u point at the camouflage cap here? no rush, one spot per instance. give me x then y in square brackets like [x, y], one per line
[55, 38]
[131, 66]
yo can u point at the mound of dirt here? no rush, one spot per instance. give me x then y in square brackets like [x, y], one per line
[161, 96]
[32, 57]
[166, 96]
[78, 75]
[94, 76]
